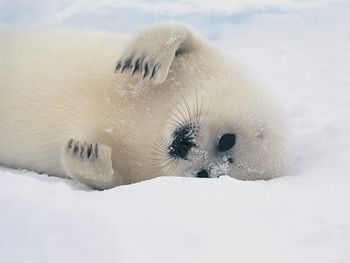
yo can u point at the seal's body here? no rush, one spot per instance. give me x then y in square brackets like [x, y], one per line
[172, 105]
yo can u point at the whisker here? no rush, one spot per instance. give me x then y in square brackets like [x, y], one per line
[185, 118]
[187, 108]
[180, 121]
[196, 107]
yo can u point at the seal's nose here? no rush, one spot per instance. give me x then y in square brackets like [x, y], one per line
[203, 174]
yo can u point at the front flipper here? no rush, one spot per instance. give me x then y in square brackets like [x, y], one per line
[89, 163]
[152, 52]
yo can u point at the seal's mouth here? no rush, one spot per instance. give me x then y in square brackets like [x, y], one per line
[215, 170]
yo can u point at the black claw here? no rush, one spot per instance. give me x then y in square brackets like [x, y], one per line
[89, 150]
[127, 64]
[96, 150]
[154, 71]
[146, 70]
[70, 143]
[117, 67]
[76, 148]
[81, 151]
[137, 66]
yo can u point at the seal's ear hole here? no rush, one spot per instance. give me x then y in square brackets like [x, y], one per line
[226, 142]
[260, 134]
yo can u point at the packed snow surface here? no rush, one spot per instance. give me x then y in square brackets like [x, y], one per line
[301, 53]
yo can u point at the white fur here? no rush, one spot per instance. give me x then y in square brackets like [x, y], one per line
[60, 86]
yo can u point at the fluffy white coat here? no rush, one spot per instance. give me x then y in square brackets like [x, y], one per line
[65, 112]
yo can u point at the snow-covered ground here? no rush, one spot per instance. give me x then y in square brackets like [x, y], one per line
[301, 53]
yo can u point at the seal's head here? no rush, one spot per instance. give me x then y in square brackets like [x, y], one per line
[223, 131]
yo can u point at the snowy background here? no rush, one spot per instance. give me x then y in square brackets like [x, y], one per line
[299, 50]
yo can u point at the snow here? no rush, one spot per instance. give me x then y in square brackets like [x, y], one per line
[302, 55]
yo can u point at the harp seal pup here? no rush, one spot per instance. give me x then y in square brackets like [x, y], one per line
[106, 110]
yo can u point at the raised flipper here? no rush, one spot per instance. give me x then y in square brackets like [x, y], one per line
[151, 53]
[89, 163]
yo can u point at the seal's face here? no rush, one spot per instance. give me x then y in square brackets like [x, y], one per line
[225, 138]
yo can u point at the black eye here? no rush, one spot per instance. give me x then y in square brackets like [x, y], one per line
[184, 140]
[226, 142]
